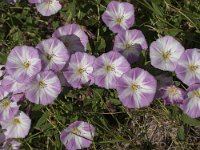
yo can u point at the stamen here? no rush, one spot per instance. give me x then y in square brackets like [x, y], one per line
[49, 57]
[81, 71]
[127, 46]
[16, 121]
[135, 87]
[42, 84]
[26, 64]
[5, 103]
[109, 68]
[166, 55]
[119, 19]
[76, 131]
[196, 93]
[173, 90]
[50, 2]
[193, 68]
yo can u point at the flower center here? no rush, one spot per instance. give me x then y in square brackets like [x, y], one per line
[193, 68]
[16, 121]
[5, 103]
[26, 64]
[76, 131]
[166, 55]
[135, 87]
[127, 46]
[50, 2]
[49, 56]
[109, 68]
[42, 84]
[196, 93]
[81, 71]
[119, 19]
[173, 91]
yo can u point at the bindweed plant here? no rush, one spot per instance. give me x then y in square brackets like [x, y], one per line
[99, 74]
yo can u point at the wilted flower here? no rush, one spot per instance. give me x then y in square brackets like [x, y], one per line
[172, 95]
[17, 127]
[8, 109]
[165, 53]
[23, 63]
[163, 80]
[136, 88]
[188, 67]
[48, 7]
[74, 38]
[78, 135]
[80, 69]
[119, 16]
[109, 67]
[191, 105]
[44, 88]
[130, 43]
[62, 78]
[53, 53]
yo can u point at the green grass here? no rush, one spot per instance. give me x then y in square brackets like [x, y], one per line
[117, 128]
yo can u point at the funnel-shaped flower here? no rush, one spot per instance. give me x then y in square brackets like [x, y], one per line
[119, 16]
[23, 63]
[74, 38]
[188, 67]
[130, 43]
[80, 69]
[109, 67]
[17, 127]
[44, 88]
[165, 53]
[53, 53]
[78, 135]
[136, 88]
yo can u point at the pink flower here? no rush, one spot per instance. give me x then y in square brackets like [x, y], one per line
[78, 135]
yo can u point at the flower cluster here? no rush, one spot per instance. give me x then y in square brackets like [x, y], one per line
[38, 73]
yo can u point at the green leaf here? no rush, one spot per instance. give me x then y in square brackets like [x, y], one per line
[101, 44]
[42, 120]
[181, 133]
[190, 121]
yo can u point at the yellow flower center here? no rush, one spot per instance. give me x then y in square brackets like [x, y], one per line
[50, 2]
[81, 71]
[193, 68]
[26, 64]
[119, 19]
[127, 46]
[196, 93]
[5, 103]
[166, 55]
[42, 84]
[76, 131]
[173, 90]
[16, 121]
[135, 87]
[109, 68]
